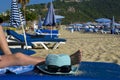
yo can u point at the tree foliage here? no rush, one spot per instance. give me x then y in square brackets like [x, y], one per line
[83, 11]
[78, 11]
[23, 4]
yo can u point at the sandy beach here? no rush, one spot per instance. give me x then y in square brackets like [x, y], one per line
[96, 47]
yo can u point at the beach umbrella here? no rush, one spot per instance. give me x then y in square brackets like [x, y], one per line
[16, 18]
[103, 20]
[40, 24]
[50, 19]
[113, 22]
[59, 17]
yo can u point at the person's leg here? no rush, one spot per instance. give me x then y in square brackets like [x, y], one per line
[76, 57]
[26, 60]
[22, 59]
[3, 43]
[19, 59]
[0, 58]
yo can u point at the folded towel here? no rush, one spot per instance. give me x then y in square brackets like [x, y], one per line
[3, 70]
[17, 69]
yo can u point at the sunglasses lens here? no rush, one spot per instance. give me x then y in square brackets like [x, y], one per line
[52, 68]
[65, 69]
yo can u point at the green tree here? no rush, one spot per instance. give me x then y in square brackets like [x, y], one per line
[23, 4]
[31, 16]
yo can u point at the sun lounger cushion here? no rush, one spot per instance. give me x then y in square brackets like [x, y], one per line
[41, 36]
[24, 51]
[47, 33]
[88, 71]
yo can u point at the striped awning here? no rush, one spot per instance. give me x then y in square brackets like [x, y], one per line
[16, 17]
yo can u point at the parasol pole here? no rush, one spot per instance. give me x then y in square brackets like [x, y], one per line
[51, 31]
[26, 45]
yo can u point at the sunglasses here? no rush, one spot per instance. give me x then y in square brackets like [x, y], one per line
[63, 69]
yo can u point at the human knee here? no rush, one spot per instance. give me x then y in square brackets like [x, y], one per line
[19, 58]
[18, 55]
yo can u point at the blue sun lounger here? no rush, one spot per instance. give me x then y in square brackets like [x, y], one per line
[87, 71]
[54, 33]
[24, 51]
[37, 39]
[45, 33]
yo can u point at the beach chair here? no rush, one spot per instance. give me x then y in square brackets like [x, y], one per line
[35, 40]
[115, 31]
[105, 31]
[54, 33]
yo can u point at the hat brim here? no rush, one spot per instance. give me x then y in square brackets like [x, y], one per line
[72, 72]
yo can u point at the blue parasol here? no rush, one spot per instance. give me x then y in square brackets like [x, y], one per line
[103, 20]
[50, 19]
[16, 18]
[113, 22]
[40, 24]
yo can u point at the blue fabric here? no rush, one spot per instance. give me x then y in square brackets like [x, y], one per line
[30, 39]
[40, 24]
[3, 70]
[24, 51]
[17, 69]
[88, 71]
[16, 17]
[87, 30]
[100, 70]
[103, 20]
[37, 77]
[113, 31]
[48, 33]
[50, 19]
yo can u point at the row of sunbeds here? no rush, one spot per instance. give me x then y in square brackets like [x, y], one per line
[35, 39]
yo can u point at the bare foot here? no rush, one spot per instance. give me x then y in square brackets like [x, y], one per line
[76, 57]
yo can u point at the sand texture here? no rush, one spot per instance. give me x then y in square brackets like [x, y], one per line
[96, 47]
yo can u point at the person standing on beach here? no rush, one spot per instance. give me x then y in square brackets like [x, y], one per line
[9, 59]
